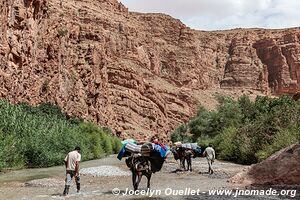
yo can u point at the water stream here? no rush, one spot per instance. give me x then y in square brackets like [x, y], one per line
[37, 173]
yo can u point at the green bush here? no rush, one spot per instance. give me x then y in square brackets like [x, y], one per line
[229, 113]
[107, 144]
[9, 154]
[62, 32]
[180, 134]
[225, 143]
[200, 124]
[246, 131]
[204, 141]
[116, 144]
[281, 139]
[42, 136]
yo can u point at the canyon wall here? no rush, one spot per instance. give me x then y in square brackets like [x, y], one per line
[139, 74]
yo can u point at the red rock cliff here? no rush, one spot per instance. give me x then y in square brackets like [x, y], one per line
[137, 73]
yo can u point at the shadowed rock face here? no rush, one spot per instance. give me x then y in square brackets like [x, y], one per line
[282, 168]
[137, 73]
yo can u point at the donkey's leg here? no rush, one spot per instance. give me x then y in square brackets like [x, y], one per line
[134, 179]
[183, 163]
[149, 178]
[190, 163]
[139, 178]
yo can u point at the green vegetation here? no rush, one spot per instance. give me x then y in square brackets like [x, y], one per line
[62, 32]
[45, 87]
[180, 134]
[42, 136]
[244, 131]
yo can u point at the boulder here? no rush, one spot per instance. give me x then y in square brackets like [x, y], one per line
[282, 168]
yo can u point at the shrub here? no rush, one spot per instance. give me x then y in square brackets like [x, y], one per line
[204, 141]
[282, 139]
[200, 124]
[62, 32]
[180, 134]
[116, 144]
[42, 136]
[244, 131]
[107, 144]
[225, 144]
[9, 154]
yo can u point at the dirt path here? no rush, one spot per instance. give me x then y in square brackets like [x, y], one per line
[15, 185]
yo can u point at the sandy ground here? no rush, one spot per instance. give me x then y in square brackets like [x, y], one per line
[37, 184]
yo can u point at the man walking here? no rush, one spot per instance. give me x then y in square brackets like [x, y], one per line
[72, 169]
[210, 156]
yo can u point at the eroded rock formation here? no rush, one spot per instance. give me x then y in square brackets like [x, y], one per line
[136, 73]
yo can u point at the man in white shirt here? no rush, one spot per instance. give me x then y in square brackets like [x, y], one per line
[72, 169]
[210, 156]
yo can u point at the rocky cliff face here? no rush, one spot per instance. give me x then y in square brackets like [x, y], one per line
[136, 73]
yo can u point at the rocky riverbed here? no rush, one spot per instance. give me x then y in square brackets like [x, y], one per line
[100, 179]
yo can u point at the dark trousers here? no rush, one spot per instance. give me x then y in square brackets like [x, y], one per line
[69, 176]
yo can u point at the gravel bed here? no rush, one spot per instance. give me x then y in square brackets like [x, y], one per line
[45, 182]
[104, 171]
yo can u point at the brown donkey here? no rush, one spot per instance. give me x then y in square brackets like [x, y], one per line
[183, 155]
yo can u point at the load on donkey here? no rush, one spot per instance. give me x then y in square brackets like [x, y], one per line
[185, 152]
[143, 159]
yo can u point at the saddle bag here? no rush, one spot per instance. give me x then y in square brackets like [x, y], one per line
[133, 148]
[146, 149]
